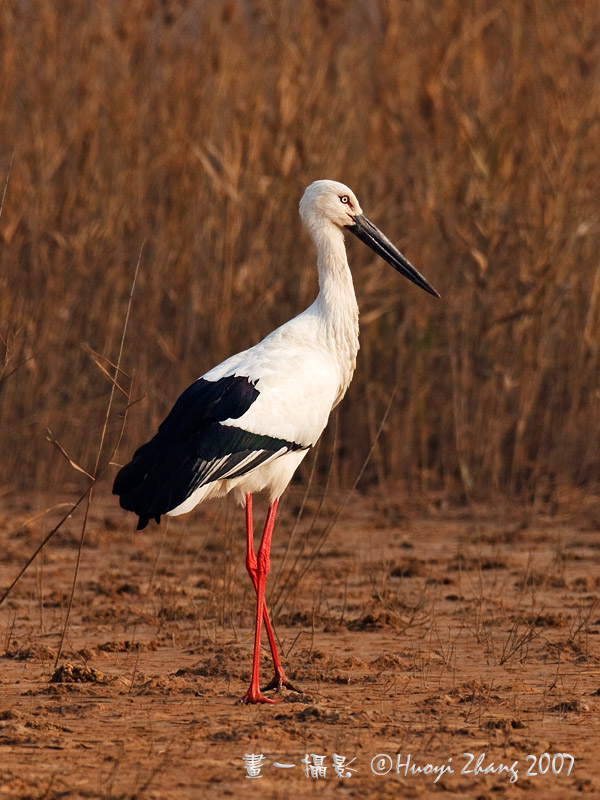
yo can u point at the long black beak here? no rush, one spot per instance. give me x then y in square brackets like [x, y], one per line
[371, 235]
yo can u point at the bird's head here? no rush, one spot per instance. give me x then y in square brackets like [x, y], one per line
[327, 205]
[329, 201]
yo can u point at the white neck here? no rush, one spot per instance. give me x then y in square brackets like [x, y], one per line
[336, 302]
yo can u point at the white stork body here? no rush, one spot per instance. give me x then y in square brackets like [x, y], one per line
[247, 423]
[301, 372]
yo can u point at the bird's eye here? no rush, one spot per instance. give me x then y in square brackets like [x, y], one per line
[344, 198]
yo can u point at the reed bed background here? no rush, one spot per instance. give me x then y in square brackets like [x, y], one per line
[470, 132]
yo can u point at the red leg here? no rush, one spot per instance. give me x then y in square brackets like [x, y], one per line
[279, 679]
[254, 695]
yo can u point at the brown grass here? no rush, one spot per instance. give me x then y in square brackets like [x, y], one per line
[471, 134]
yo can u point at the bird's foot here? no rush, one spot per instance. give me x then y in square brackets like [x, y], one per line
[279, 681]
[254, 695]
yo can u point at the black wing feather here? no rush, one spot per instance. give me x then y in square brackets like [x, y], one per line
[192, 448]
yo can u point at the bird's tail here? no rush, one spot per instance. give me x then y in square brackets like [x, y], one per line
[148, 484]
[129, 485]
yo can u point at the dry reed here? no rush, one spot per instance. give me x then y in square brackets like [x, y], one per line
[470, 132]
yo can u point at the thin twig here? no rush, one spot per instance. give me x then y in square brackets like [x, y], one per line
[98, 456]
[54, 441]
[292, 535]
[12, 158]
[278, 598]
[44, 542]
[328, 528]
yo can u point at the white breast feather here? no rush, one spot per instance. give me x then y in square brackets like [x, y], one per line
[298, 378]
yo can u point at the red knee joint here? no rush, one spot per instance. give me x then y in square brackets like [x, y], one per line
[263, 562]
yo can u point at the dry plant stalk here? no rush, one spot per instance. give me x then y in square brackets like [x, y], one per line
[469, 130]
[97, 472]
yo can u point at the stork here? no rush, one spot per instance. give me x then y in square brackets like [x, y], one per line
[246, 424]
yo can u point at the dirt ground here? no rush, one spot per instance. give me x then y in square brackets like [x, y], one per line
[417, 637]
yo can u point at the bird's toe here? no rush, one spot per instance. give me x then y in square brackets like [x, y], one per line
[254, 696]
[280, 681]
